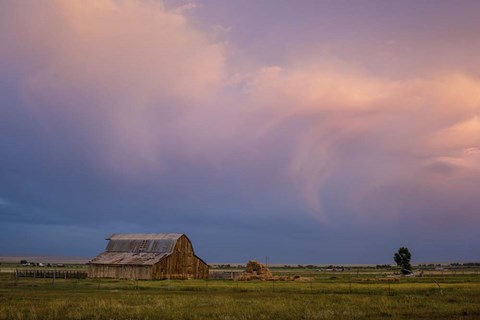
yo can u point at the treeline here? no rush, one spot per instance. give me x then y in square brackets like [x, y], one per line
[467, 264]
[299, 266]
[454, 264]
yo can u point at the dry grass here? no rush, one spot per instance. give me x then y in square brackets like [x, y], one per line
[327, 297]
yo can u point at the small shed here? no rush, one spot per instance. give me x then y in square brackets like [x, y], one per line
[147, 257]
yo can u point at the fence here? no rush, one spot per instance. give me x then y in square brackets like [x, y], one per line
[55, 274]
[226, 275]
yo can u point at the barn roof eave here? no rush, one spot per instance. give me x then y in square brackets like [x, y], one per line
[201, 259]
[126, 258]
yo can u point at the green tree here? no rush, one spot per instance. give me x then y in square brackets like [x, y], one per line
[402, 259]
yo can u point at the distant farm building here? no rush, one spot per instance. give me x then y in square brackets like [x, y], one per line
[148, 256]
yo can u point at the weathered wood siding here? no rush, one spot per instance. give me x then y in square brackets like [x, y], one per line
[181, 264]
[201, 269]
[120, 272]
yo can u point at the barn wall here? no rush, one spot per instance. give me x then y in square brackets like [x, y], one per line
[120, 271]
[181, 264]
[201, 269]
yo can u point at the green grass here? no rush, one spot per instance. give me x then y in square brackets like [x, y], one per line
[327, 296]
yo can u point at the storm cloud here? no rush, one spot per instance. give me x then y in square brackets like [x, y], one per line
[145, 116]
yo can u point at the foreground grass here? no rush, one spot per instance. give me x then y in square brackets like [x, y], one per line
[324, 298]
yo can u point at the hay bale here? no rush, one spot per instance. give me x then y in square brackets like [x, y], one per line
[258, 271]
[390, 279]
[257, 268]
[255, 271]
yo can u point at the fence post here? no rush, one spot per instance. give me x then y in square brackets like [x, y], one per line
[53, 279]
[438, 284]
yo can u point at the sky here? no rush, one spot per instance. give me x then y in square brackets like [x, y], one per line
[311, 131]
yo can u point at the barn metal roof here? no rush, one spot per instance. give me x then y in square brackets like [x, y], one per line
[144, 236]
[119, 258]
[137, 249]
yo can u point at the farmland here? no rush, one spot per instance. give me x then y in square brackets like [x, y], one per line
[326, 295]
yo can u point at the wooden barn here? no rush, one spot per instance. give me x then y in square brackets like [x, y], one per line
[148, 256]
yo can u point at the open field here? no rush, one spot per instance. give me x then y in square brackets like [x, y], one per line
[326, 296]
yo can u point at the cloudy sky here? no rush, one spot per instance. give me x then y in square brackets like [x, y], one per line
[310, 131]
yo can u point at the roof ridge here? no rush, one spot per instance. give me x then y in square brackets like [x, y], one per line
[144, 236]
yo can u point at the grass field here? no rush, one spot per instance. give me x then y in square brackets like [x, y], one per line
[328, 296]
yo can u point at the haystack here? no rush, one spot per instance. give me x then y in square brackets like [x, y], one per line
[256, 271]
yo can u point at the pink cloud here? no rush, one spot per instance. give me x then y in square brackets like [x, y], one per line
[146, 84]
[403, 124]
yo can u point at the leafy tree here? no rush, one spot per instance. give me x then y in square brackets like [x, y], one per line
[402, 258]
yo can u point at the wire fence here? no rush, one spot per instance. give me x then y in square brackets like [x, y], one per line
[77, 280]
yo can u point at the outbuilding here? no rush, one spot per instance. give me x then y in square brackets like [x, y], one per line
[148, 256]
